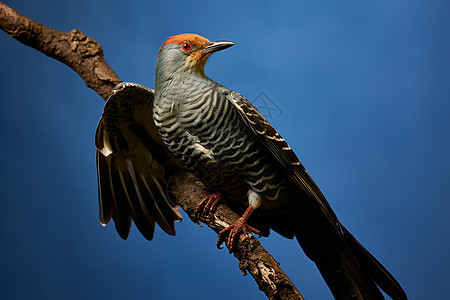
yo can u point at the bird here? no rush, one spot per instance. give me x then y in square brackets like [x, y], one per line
[193, 124]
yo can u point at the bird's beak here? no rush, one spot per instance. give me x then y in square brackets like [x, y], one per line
[217, 46]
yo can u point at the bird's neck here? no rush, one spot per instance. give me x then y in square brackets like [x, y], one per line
[181, 84]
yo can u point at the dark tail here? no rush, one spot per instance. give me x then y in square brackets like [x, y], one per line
[349, 270]
[371, 266]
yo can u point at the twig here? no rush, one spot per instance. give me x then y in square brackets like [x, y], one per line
[85, 56]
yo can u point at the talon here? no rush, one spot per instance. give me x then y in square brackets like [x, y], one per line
[208, 205]
[221, 239]
[230, 235]
[254, 230]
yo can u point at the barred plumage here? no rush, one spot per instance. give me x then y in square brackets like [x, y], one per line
[133, 166]
[208, 135]
[223, 138]
[220, 136]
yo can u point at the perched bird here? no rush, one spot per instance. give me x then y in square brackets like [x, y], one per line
[196, 124]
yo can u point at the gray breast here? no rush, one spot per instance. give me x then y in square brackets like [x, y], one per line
[209, 137]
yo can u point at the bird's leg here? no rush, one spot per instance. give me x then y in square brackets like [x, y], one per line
[209, 204]
[230, 234]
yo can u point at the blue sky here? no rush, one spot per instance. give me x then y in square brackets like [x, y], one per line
[362, 91]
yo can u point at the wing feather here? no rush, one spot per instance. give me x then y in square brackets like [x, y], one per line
[281, 151]
[104, 192]
[133, 165]
[121, 214]
[357, 267]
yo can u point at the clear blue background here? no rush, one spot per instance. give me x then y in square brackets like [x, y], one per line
[363, 88]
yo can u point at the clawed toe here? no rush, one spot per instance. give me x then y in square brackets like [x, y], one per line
[230, 235]
[208, 205]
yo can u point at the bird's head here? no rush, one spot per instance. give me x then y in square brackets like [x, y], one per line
[186, 53]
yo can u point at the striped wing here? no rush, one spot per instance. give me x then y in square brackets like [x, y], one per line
[282, 152]
[350, 248]
[133, 165]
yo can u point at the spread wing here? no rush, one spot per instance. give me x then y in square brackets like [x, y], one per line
[133, 165]
[358, 264]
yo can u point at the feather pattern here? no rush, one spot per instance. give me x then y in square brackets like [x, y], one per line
[215, 146]
[281, 151]
[133, 164]
[348, 268]
[221, 137]
[224, 139]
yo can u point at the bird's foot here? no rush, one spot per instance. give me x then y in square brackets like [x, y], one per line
[231, 234]
[208, 205]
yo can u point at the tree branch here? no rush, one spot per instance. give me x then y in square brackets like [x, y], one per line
[82, 54]
[85, 56]
[253, 257]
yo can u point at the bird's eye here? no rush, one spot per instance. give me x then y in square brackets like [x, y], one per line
[186, 46]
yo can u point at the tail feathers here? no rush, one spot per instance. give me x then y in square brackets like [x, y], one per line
[346, 281]
[374, 268]
[349, 270]
[338, 267]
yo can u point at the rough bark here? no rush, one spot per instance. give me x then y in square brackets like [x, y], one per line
[81, 53]
[253, 257]
[85, 56]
